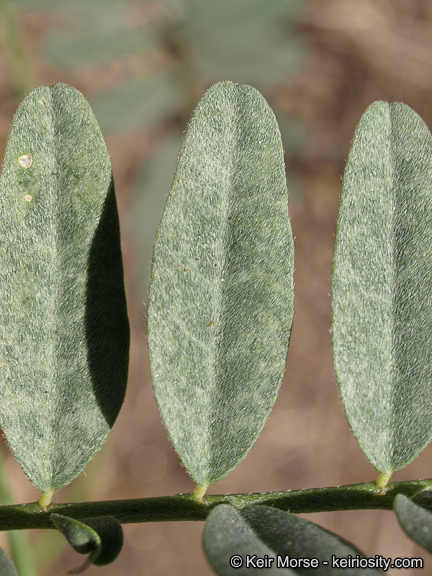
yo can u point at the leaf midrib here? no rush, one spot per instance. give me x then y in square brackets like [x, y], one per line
[222, 256]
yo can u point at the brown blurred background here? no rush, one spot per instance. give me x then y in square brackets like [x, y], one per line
[143, 65]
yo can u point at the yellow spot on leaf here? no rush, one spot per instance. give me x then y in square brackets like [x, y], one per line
[25, 161]
[28, 198]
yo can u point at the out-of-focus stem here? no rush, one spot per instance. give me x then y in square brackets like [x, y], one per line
[20, 550]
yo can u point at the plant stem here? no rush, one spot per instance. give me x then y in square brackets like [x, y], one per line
[183, 507]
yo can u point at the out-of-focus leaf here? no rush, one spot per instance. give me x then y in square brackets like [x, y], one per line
[19, 546]
[74, 50]
[64, 332]
[246, 41]
[6, 566]
[382, 286]
[223, 13]
[221, 294]
[294, 134]
[267, 60]
[415, 521]
[136, 104]
[267, 533]
[17, 57]
[96, 7]
[152, 187]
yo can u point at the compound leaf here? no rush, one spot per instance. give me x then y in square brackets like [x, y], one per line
[382, 286]
[415, 521]
[221, 296]
[233, 540]
[64, 328]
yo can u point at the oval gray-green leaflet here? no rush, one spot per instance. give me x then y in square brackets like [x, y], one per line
[221, 296]
[415, 521]
[261, 539]
[382, 286]
[64, 328]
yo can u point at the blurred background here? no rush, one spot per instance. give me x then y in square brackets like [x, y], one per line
[143, 65]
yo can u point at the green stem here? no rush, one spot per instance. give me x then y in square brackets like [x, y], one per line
[181, 507]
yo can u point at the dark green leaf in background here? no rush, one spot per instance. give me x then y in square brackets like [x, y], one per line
[6, 566]
[415, 521]
[266, 532]
[382, 286]
[64, 328]
[221, 296]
